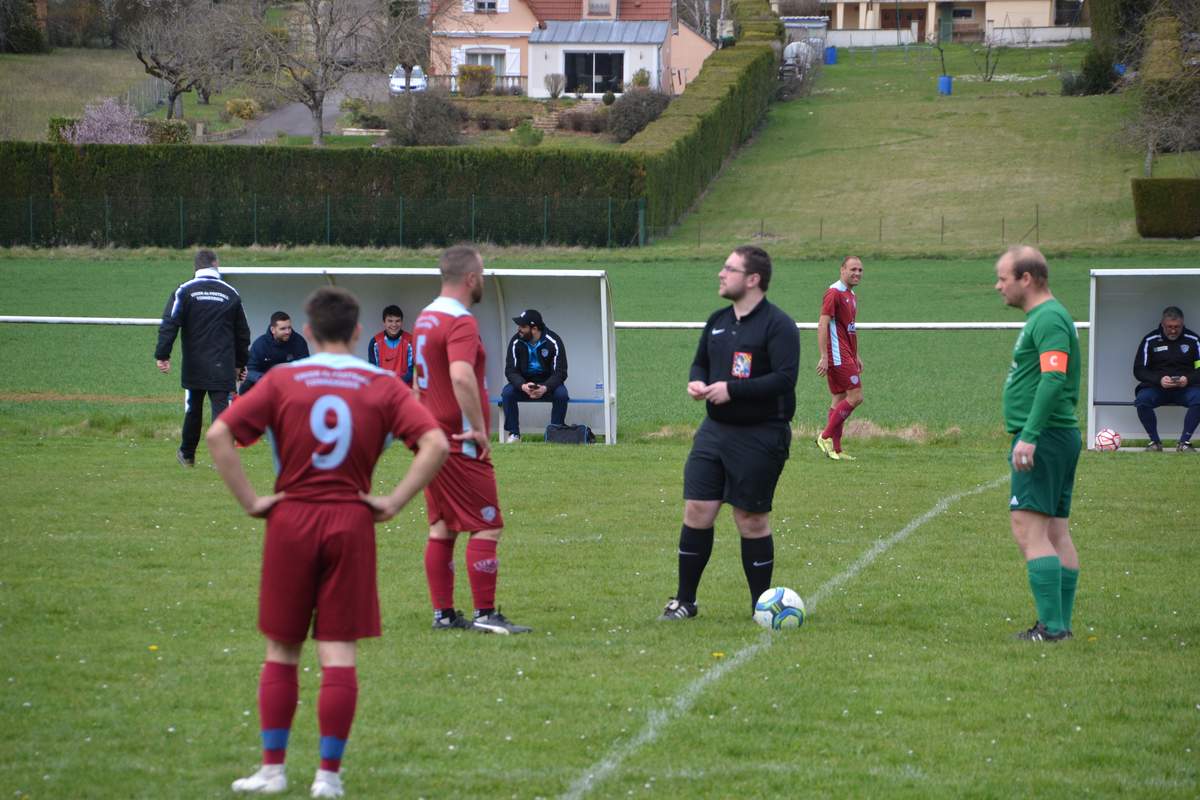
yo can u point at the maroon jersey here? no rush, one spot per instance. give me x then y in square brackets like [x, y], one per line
[841, 306]
[446, 332]
[330, 417]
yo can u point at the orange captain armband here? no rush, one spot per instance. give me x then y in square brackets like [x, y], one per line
[1054, 361]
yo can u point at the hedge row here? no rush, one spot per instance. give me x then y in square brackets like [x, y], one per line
[686, 146]
[1167, 207]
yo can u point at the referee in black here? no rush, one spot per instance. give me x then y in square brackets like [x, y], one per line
[216, 346]
[745, 370]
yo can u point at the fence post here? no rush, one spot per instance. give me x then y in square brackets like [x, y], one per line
[254, 215]
[545, 219]
[641, 222]
[401, 242]
[472, 216]
[328, 221]
[181, 223]
[107, 222]
[610, 222]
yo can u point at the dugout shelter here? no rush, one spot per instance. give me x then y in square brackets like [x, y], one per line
[576, 304]
[1126, 304]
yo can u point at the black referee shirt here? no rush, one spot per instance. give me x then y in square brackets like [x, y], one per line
[759, 356]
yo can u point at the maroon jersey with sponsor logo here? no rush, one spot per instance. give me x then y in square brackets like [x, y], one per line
[841, 306]
[330, 417]
[446, 332]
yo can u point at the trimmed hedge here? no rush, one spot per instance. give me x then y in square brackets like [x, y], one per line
[1167, 207]
[685, 147]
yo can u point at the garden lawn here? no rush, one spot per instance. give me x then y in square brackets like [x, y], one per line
[34, 88]
[876, 159]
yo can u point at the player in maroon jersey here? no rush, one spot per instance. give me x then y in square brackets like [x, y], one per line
[450, 364]
[839, 362]
[330, 416]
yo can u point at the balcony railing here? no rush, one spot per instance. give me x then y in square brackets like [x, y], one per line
[504, 85]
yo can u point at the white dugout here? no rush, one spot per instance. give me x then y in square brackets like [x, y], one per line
[576, 304]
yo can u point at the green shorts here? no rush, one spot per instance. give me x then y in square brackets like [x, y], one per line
[1046, 488]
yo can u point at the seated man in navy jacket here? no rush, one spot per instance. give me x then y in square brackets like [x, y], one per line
[536, 368]
[279, 345]
[1167, 366]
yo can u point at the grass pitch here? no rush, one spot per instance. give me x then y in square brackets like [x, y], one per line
[129, 657]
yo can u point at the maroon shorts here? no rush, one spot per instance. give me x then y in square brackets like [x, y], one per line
[463, 495]
[844, 378]
[319, 570]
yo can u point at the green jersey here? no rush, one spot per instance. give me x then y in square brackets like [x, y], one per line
[1042, 386]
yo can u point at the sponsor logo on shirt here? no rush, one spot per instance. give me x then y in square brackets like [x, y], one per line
[741, 365]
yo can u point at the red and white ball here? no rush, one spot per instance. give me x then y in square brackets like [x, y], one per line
[1107, 439]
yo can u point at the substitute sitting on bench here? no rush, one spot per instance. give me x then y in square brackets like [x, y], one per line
[536, 368]
[1167, 367]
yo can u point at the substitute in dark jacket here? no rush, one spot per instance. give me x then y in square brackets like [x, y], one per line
[216, 340]
[536, 368]
[1167, 366]
[279, 345]
[745, 370]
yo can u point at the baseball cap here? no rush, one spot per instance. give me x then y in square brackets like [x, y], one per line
[529, 317]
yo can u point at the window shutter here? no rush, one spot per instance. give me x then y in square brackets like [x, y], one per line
[512, 61]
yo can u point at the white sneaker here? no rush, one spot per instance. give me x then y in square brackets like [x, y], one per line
[270, 779]
[512, 438]
[327, 784]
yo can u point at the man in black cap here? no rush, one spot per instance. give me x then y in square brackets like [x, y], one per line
[536, 368]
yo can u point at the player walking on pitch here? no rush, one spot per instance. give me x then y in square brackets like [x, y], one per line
[745, 370]
[839, 363]
[449, 370]
[1040, 394]
[331, 416]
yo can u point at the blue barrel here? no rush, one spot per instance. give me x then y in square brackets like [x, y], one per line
[945, 84]
[830, 55]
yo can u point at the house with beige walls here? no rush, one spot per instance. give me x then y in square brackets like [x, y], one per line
[597, 44]
[1012, 21]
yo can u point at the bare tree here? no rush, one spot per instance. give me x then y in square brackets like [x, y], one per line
[1167, 53]
[986, 55]
[171, 42]
[324, 42]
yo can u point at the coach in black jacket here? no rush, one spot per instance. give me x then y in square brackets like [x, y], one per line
[1167, 366]
[216, 340]
[535, 365]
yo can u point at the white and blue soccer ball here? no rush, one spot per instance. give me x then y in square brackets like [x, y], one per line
[779, 607]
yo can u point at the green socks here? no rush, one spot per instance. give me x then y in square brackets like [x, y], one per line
[1046, 582]
[1070, 579]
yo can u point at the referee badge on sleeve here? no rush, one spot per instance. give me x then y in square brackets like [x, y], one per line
[741, 365]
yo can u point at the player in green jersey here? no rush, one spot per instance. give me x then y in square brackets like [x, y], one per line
[1040, 394]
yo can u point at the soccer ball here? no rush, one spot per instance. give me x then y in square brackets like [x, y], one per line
[1108, 439]
[779, 607]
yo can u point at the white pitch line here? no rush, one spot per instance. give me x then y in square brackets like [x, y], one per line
[659, 718]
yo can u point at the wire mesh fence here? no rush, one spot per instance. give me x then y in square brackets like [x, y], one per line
[321, 219]
[146, 95]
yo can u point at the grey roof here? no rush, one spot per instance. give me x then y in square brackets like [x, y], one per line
[592, 32]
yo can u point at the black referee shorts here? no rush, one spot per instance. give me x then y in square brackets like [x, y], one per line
[737, 464]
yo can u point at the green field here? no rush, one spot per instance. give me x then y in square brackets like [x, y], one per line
[876, 160]
[34, 88]
[128, 654]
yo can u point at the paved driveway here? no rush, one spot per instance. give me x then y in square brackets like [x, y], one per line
[295, 119]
